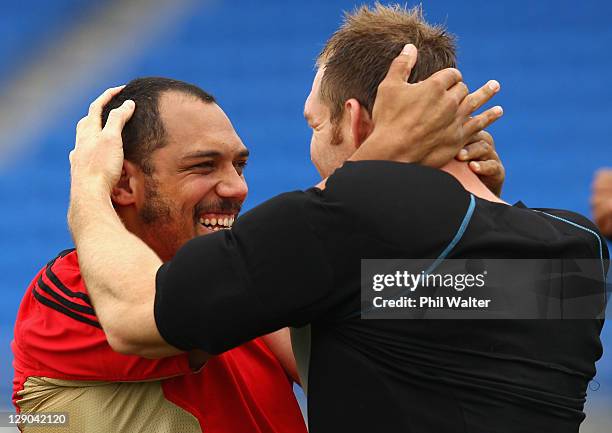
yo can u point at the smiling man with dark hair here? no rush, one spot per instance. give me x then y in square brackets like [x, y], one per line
[183, 176]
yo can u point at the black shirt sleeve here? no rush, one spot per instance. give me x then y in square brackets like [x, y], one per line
[268, 272]
[296, 258]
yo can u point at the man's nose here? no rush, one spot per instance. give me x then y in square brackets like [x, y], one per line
[232, 185]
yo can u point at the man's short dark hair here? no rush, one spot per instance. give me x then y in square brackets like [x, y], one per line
[145, 133]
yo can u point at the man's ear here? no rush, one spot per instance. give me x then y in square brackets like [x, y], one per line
[125, 192]
[360, 121]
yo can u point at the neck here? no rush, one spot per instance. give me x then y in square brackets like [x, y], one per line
[132, 222]
[469, 180]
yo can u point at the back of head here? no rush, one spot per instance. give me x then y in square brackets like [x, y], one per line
[357, 56]
[144, 133]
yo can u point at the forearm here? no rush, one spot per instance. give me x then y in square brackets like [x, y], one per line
[376, 148]
[119, 271]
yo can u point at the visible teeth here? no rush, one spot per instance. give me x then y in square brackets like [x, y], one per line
[218, 223]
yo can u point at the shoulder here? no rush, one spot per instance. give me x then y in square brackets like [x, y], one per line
[402, 202]
[60, 288]
[57, 334]
[377, 175]
[580, 226]
[570, 217]
[394, 184]
[55, 313]
[66, 259]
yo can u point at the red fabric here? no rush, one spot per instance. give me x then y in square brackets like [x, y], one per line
[244, 389]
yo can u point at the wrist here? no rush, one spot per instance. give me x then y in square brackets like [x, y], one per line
[88, 203]
[91, 185]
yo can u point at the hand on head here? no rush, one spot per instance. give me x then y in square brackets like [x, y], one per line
[98, 152]
[426, 122]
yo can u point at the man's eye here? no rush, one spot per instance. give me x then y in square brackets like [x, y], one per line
[240, 166]
[209, 165]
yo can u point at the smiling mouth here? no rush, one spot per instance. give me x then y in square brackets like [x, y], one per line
[217, 221]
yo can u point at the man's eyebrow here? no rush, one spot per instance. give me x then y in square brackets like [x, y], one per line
[202, 154]
[212, 154]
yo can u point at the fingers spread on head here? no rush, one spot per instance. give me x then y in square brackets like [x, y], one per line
[458, 92]
[118, 117]
[96, 107]
[486, 137]
[482, 121]
[477, 99]
[479, 150]
[487, 168]
[81, 124]
[482, 136]
[402, 65]
[446, 78]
